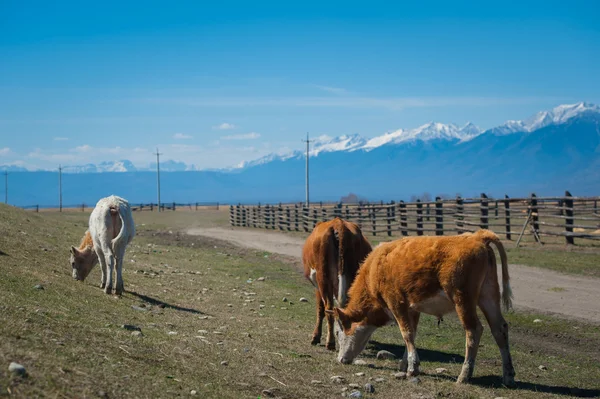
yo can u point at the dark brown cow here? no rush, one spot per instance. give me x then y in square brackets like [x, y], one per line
[332, 255]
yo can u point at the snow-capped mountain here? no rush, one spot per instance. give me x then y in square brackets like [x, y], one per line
[557, 115]
[108, 166]
[341, 143]
[552, 152]
[432, 131]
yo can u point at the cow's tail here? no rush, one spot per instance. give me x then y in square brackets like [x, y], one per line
[338, 234]
[115, 241]
[490, 237]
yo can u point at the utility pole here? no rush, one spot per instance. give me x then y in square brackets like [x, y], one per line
[158, 175]
[6, 187]
[307, 141]
[60, 188]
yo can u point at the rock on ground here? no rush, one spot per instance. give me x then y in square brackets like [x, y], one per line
[385, 355]
[400, 376]
[369, 388]
[17, 369]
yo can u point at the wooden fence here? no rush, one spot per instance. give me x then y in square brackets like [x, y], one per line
[169, 206]
[569, 217]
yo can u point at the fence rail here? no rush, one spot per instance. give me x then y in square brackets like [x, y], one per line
[169, 206]
[567, 216]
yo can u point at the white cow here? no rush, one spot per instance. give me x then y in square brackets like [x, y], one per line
[111, 229]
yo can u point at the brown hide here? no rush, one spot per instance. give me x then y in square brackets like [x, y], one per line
[334, 248]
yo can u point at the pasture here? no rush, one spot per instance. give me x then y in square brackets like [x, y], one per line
[210, 328]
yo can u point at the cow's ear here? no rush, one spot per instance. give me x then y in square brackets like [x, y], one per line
[74, 251]
[343, 318]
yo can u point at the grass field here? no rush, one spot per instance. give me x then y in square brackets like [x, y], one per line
[198, 304]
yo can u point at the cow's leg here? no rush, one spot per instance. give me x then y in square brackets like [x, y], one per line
[491, 309]
[119, 265]
[110, 265]
[402, 315]
[316, 338]
[467, 313]
[330, 343]
[414, 320]
[102, 262]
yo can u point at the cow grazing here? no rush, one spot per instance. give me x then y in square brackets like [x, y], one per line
[111, 229]
[432, 275]
[331, 256]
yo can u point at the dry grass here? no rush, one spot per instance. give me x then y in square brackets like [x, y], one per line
[69, 338]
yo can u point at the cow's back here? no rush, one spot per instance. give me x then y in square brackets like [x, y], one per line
[416, 268]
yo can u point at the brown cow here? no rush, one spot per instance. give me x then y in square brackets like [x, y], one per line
[332, 255]
[433, 275]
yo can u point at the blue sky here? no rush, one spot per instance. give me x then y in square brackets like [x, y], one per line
[215, 84]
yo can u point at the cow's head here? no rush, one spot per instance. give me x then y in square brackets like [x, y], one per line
[82, 262]
[352, 336]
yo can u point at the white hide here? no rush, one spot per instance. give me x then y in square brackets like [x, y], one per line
[352, 345]
[437, 305]
[313, 277]
[110, 241]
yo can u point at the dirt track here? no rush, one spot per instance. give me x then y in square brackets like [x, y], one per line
[534, 288]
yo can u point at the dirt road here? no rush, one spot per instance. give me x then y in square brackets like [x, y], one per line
[534, 288]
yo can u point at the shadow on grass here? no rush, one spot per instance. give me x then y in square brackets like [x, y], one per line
[2, 253]
[489, 381]
[424, 354]
[165, 305]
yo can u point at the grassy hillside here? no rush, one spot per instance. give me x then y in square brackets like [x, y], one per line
[198, 304]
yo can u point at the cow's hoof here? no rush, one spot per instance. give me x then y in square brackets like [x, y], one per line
[108, 290]
[412, 373]
[102, 285]
[509, 382]
[462, 380]
[331, 346]
[315, 341]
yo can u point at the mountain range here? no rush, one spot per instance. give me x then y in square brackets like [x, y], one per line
[550, 152]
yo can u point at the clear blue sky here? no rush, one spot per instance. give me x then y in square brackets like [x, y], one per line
[88, 82]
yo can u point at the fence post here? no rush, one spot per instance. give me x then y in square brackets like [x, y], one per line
[534, 213]
[306, 215]
[568, 204]
[151, 207]
[390, 216]
[37, 208]
[289, 218]
[296, 220]
[267, 217]
[231, 222]
[427, 211]
[419, 218]
[460, 214]
[403, 223]
[347, 212]
[82, 207]
[439, 217]
[374, 220]
[173, 206]
[507, 216]
[323, 213]
[484, 211]
[315, 216]
[359, 215]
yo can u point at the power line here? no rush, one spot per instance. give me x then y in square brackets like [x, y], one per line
[307, 141]
[60, 187]
[158, 154]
